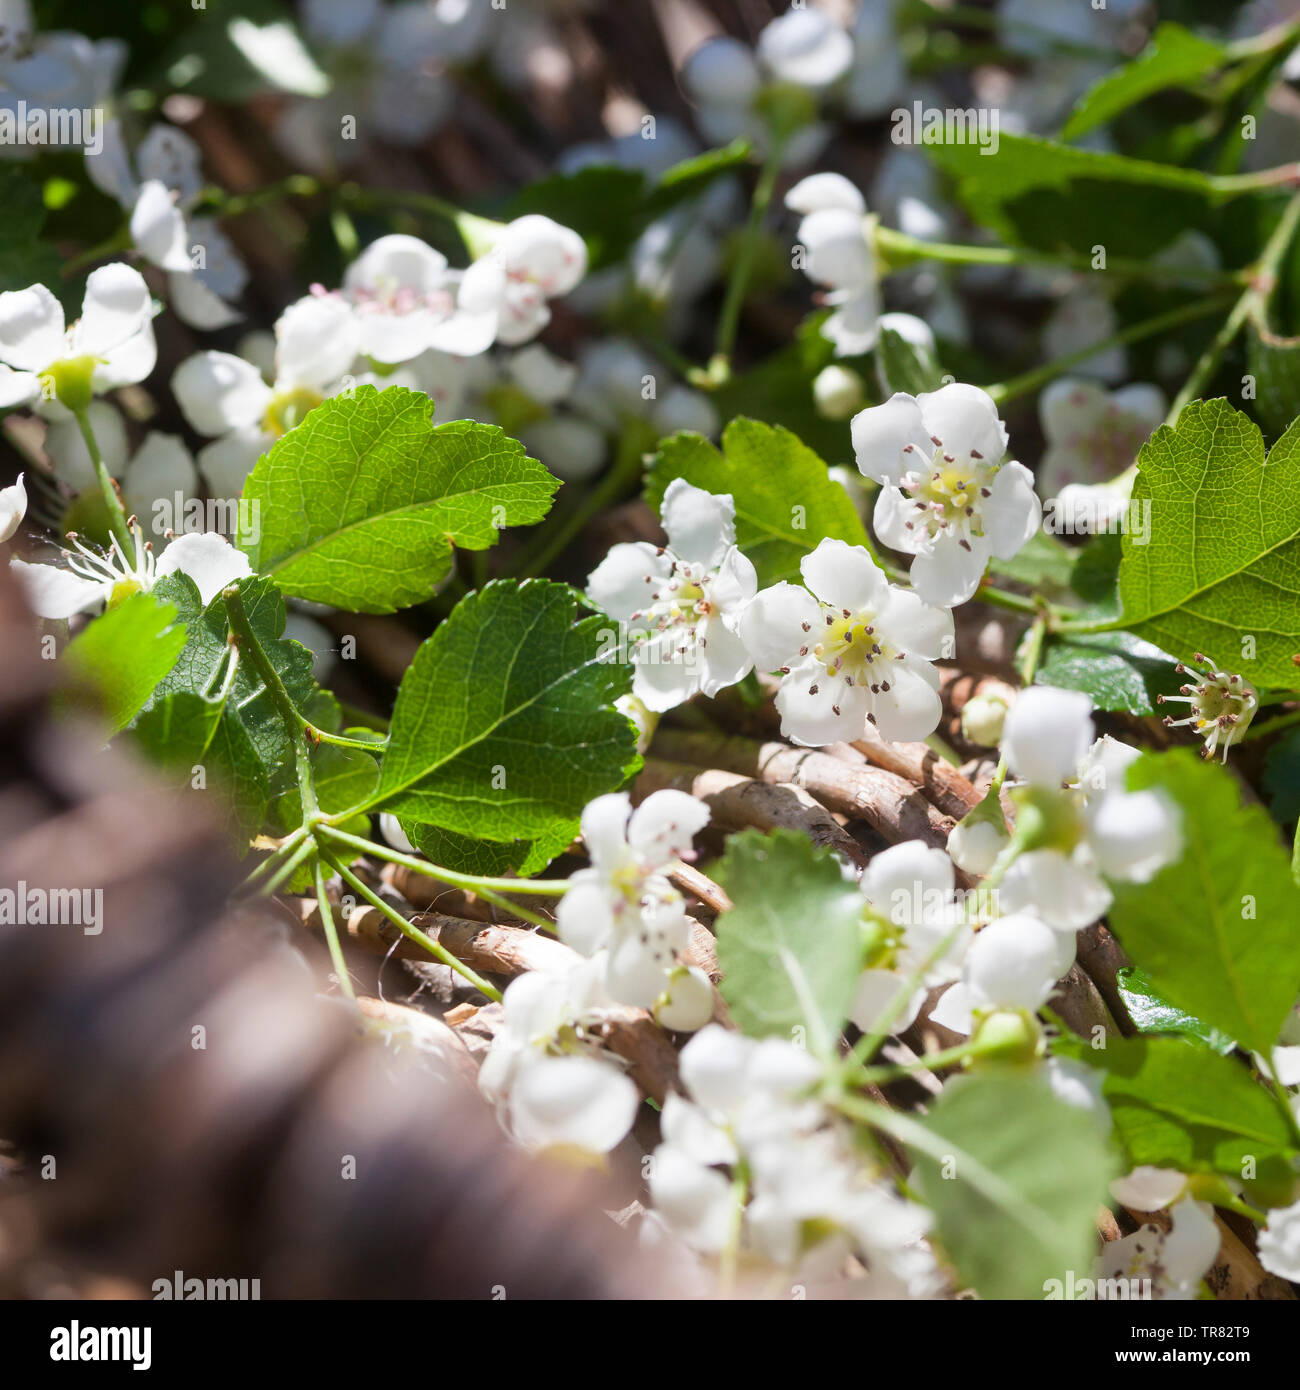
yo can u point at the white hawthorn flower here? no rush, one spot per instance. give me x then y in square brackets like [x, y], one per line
[682, 602]
[1013, 963]
[946, 497]
[1092, 434]
[726, 81]
[1103, 829]
[852, 649]
[625, 909]
[13, 507]
[541, 261]
[1176, 1260]
[835, 236]
[407, 300]
[110, 345]
[552, 1084]
[89, 579]
[912, 911]
[203, 268]
[1223, 705]
[1279, 1242]
[225, 397]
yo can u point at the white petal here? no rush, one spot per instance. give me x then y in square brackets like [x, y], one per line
[17, 388]
[195, 304]
[807, 47]
[686, 1128]
[720, 72]
[208, 558]
[807, 702]
[878, 990]
[733, 588]
[909, 710]
[1133, 835]
[1013, 963]
[572, 1101]
[919, 627]
[115, 308]
[158, 228]
[714, 1068]
[854, 327]
[227, 462]
[947, 573]
[397, 261]
[664, 826]
[546, 378]
[554, 257]
[690, 1002]
[901, 881]
[1012, 513]
[724, 661]
[1149, 1189]
[966, 419]
[129, 361]
[837, 249]
[1279, 1242]
[701, 526]
[845, 576]
[777, 623]
[819, 191]
[162, 466]
[217, 392]
[1047, 735]
[627, 579]
[882, 432]
[56, 593]
[1065, 894]
[1071, 407]
[31, 328]
[696, 1202]
[1192, 1244]
[13, 507]
[316, 342]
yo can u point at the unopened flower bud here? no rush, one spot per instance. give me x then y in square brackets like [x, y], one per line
[1008, 1036]
[838, 392]
[982, 719]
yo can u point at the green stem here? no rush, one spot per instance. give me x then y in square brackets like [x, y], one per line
[342, 741]
[899, 249]
[1253, 303]
[117, 518]
[330, 928]
[271, 863]
[1034, 649]
[409, 929]
[734, 301]
[1002, 598]
[286, 870]
[537, 887]
[119, 241]
[1017, 386]
[246, 639]
[1272, 726]
[932, 1061]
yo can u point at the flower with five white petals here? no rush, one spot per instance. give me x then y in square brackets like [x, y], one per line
[61, 368]
[946, 496]
[852, 649]
[88, 579]
[1174, 1260]
[625, 909]
[682, 602]
[838, 253]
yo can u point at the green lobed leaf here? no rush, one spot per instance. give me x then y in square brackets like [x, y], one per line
[1014, 1177]
[1222, 563]
[249, 747]
[504, 726]
[1173, 58]
[1119, 671]
[122, 656]
[360, 505]
[791, 946]
[786, 502]
[1215, 932]
[1036, 192]
[1177, 1104]
[464, 854]
[1150, 1013]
